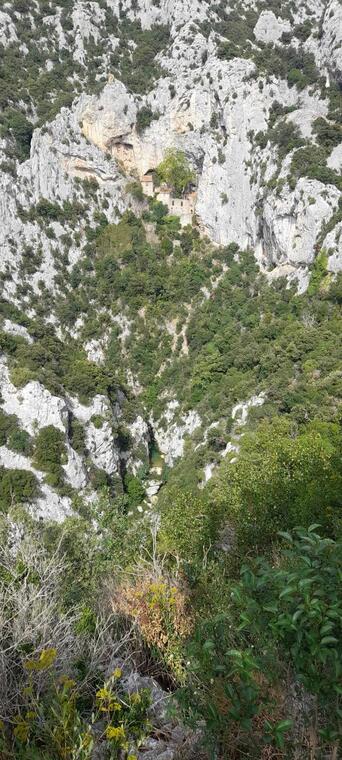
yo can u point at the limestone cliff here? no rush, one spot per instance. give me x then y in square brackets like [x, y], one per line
[249, 94]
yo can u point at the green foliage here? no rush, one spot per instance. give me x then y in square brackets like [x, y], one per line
[311, 162]
[85, 379]
[226, 692]
[136, 65]
[145, 117]
[77, 436]
[50, 453]
[8, 426]
[283, 477]
[12, 435]
[20, 441]
[280, 614]
[299, 605]
[318, 273]
[328, 135]
[187, 526]
[16, 487]
[287, 136]
[134, 489]
[135, 189]
[20, 129]
[176, 171]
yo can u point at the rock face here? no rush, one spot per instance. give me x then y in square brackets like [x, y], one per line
[34, 406]
[230, 185]
[332, 38]
[240, 123]
[170, 434]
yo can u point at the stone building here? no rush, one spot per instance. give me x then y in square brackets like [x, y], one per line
[148, 184]
[184, 207]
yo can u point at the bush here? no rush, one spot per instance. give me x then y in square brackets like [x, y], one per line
[299, 605]
[134, 489]
[135, 189]
[16, 487]
[20, 441]
[282, 478]
[176, 171]
[16, 124]
[8, 425]
[20, 376]
[77, 436]
[85, 379]
[328, 135]
[50, 453]
[158, 605]
[54, 694]
[318, 273]
[145, 117]
[187, 526]
[311, 162]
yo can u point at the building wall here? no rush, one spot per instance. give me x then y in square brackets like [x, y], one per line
[148, 188]
[182, 207]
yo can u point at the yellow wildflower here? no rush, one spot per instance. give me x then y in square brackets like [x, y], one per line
[117, 673]
[135, 698]
[21, 731]
[103, 693]
[116, 733]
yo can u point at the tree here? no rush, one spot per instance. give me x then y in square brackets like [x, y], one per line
[283, 478]
[176, 171]
[298, 604]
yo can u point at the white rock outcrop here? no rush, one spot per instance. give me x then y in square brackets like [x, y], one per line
[269, 28]
[33, 404]
[170, 435]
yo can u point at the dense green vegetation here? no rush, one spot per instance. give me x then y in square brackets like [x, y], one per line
[16, 487]
[176, 172]
[227, 591]
[38, 94]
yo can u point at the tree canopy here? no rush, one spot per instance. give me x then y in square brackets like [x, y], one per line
[176, 171]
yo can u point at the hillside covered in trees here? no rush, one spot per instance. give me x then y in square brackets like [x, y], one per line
[170, 380]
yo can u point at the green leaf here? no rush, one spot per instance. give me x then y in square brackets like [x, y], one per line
[284, 725]
[329, 640]
[297, 615]
[286, 591]
[285, 535]
[208, 646]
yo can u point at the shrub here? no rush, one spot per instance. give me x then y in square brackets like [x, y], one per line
[50, 453]
[53, 695]
[135, 189]
[311, 162]
[77, 436]
[187, 526]
[145, 117]
[17, 125]
[85, 379]
[16, 487]
[318, 273]
[176, 171]
[8, 425]
[299, 605]
[282, 478]
[159, 606]
[328, 135]
[20, 441]
[134, 489]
